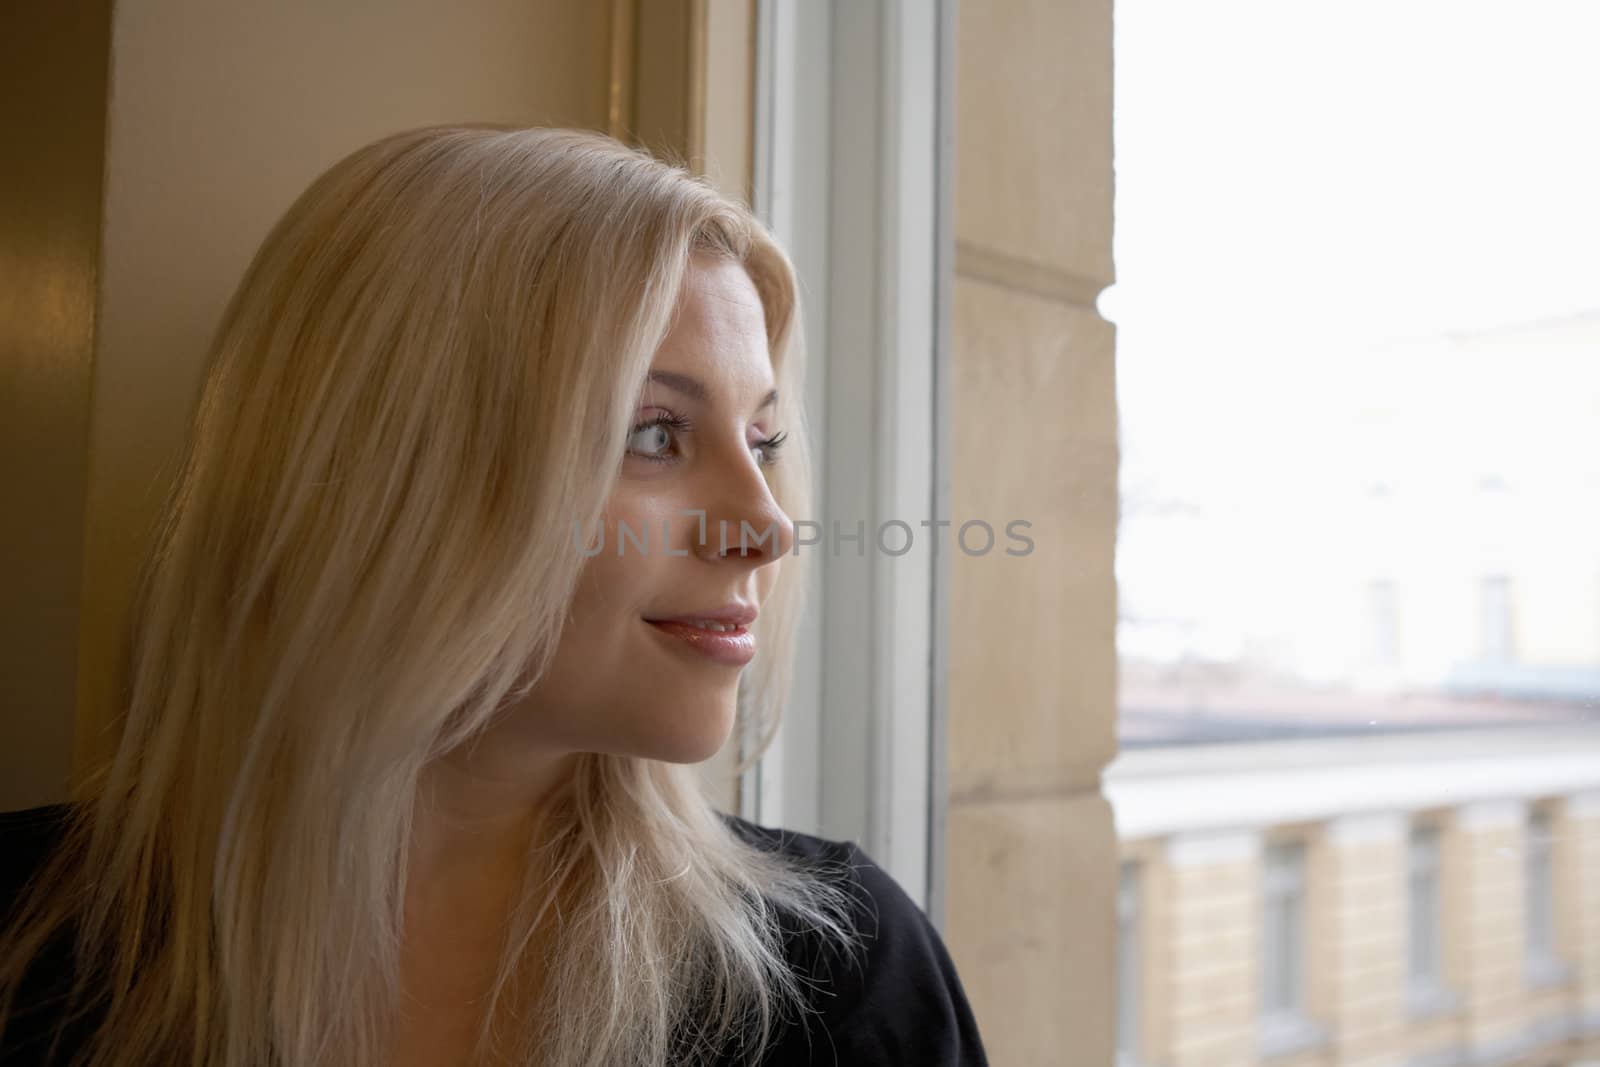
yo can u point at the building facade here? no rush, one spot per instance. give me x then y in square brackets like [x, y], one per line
[1428, 901]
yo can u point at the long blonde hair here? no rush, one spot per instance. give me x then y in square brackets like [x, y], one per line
[427, 374]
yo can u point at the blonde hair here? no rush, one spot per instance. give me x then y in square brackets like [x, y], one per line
[427, 374]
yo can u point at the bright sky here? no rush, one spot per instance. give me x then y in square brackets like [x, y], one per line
[1298, 183]
[1398, 167]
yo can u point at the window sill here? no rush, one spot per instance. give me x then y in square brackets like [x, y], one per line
[1289, 1035]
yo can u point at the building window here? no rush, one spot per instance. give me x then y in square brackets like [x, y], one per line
[1285, 1025]
[1283, 933]
[1128, 969]
[1424, 925]
[1539, 906]
[1424, 900]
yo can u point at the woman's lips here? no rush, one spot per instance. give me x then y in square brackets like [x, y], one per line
[732, 647]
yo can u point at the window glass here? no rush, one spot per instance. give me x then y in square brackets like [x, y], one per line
[1358, 376]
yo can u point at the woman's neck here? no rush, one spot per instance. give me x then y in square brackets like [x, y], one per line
[476, 809]
[471, 832]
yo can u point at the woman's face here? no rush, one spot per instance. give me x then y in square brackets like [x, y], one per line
[621, 683]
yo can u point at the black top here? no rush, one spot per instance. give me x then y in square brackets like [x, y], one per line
[899, 1003]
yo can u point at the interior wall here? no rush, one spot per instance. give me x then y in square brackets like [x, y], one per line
[1032, 854]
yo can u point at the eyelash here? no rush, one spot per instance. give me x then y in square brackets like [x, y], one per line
[681, 424]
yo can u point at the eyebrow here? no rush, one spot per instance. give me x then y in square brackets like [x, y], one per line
[691, 387]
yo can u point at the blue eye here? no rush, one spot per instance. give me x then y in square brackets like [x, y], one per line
[647, 440]
[658, 428]
[658, 432]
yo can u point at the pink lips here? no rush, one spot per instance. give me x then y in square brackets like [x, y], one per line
[735, 647]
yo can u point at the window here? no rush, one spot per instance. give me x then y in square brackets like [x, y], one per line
[1285, 1023]
[1424, 925]
[1128, 969]
[830, 771]
[1539, 908]
[1438, 621]
[1283, 934]
[1424, 969]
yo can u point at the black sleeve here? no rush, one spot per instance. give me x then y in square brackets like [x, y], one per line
[903, 1003]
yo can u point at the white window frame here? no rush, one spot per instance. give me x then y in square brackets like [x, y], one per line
[852, 171]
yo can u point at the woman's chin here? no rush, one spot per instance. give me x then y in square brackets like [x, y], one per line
[697, 744]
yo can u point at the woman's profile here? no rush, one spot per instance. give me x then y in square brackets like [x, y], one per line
[481, 541]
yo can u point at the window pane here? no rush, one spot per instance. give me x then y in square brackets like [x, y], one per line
[1357, 584]
[1541, 940]
[1423, 917]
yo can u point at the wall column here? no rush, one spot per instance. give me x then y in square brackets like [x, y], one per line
[1366, 937]
[1032, 868]
[1213, 930]
[1490, 885]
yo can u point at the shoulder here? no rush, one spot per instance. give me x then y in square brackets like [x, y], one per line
[902, 1000]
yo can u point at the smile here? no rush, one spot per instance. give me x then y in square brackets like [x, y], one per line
[723, 643]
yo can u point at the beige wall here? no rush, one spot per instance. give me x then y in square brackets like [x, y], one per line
[1032, 868]
[1490, 921]
[1208, 992]
[693, 91]
[1362, 940]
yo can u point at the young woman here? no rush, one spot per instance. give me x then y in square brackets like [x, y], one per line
[481, 542]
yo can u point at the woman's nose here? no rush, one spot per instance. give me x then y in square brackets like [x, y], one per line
[746, 521]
